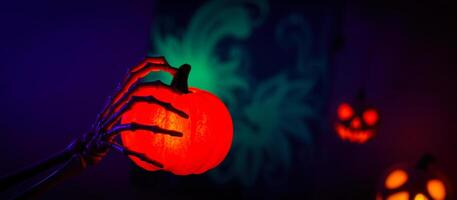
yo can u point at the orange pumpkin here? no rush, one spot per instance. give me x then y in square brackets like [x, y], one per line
[207, 130]
[413, 183]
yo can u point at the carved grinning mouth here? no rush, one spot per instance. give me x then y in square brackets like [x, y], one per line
[354, 135]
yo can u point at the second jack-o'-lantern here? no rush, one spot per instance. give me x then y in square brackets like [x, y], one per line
[356, 123]
[420, 182]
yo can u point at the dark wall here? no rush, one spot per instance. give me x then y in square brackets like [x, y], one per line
[59, 62]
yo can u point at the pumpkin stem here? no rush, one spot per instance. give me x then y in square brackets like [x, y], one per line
[425, 161]
[179, 81]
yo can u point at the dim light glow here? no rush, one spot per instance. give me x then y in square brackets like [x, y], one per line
[370, 117]
[436, 189]
[399, 196]
[345, 111]
[420, 196]
[356, 123]
[358, 136]
[396, 179]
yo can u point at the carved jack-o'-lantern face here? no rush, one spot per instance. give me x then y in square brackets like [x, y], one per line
[356, 124]
[402, 183]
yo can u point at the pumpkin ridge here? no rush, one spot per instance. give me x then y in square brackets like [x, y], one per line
[206, 157]
[219, 136]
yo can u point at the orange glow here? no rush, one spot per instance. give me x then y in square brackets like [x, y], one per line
[436, 189]
[420, 197]
[399, 196]
[396, 179]
[207, 133]
[358, 136]
[345, 111]
[355, 128]
[370, 117]
[356, 124]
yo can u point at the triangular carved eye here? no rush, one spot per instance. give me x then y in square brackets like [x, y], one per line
[396, 179]
[436, 189]
[345, 111]
[371, 117]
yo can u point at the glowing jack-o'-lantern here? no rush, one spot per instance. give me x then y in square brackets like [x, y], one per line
[413, 183]
[185, 130]
[356, 123]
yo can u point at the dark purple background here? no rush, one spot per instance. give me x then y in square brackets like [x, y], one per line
[60, 60]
